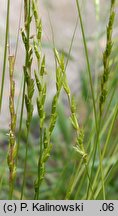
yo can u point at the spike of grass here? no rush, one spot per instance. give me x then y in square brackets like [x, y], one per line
[12, 141]
[28, 82]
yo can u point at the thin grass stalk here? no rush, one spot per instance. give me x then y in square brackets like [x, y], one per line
[106, 58]
[21, 119]
[102, 132]
[16, 49]
[18, 33]
[87, 60]
[4, 166]
[107, 172]
[97, 10]
[5, 53]
[24, 83]
[77, 177]
[101, 165]
[104, 81]
[53, 40]
[71, 44]
[23, 93]
[19, 96]
[92, 90]
[76, 197]
[97, 144]
[25, 166]
[89, 159]
[109, 104]
[106, 143]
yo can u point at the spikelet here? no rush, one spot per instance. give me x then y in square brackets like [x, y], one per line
[27, 74]
[79, 131]
[38, 22]
[106, 58]
[12, 141]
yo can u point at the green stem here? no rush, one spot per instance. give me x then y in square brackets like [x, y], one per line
[97, 144]
[24, 86]
[101, 166]
[106, 143]
[71, 44]
[86, 166]
[87, 60]
[25, 165]
[21, 119]
[39, 165]
[5, 53]
[27, 26]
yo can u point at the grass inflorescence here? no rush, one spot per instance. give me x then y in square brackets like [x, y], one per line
[28, 81]
[106, 58]
[12, 139]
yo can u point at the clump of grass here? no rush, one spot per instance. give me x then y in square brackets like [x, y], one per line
[97, 118]
[104, 81]
[93, 163]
